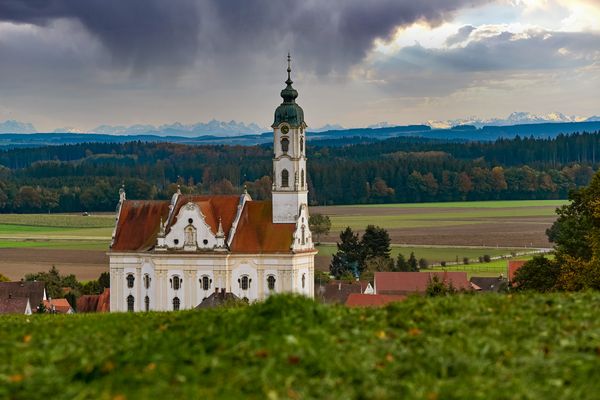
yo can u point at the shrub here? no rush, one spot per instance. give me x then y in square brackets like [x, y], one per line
[443, 263]
[487, 258]
[466, 260]
[423, 263]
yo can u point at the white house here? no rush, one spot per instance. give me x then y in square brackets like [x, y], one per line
[171, 255]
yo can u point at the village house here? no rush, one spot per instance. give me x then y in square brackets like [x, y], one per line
[172, 255]
[372, 300]
[337, 291]
[94, 302]
[21, 297]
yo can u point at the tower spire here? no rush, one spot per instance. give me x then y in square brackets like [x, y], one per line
[289, 69]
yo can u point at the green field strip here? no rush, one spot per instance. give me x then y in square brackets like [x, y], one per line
[55, 244]
[470, 204]
[58, 220]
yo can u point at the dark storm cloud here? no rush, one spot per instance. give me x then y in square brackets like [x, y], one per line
[147, 33]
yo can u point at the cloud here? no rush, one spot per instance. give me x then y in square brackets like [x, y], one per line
[147, 34]
[460, 36]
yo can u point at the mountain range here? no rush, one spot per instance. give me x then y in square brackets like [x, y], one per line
[234, 128]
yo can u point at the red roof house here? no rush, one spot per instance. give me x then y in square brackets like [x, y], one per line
[404, 283]
[513, 266]
[58, 306]
[94, 302]
[372, 300]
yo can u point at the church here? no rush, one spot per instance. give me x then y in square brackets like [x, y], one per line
[172, 255]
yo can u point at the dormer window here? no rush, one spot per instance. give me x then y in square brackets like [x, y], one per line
[285, 145]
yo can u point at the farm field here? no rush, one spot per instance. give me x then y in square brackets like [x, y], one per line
[512, 224]
[434, 231]
[523, 346]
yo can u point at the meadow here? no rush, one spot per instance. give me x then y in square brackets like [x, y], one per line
[434, 231]
[520, 346]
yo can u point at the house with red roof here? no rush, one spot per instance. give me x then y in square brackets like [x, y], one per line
[94, 302]
[171, 255]
[337, 291]
[58, 306]
[405, 283]
[21, 297]
[513, 266]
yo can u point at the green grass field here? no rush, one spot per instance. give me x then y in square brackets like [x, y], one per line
[434, 254]
[55, 244]
[474, 204]
[529, 346]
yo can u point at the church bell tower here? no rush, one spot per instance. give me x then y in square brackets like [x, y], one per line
[290, 191]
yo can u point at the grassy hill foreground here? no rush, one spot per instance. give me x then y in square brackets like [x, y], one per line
[486, 346]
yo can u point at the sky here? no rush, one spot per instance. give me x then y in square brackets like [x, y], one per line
[78, 64]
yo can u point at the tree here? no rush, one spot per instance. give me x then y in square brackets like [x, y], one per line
[401, 264]
[540, 274]
[375, 242]
[348, 258]
[412, 263]
[319, 225]
[423, 264]
[4, 278]
[437, 287]
[104, 280]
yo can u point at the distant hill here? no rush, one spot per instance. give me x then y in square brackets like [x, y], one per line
[331, 137]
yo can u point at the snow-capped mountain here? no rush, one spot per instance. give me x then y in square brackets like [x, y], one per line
[213, 127]
[514, 118]
[12, 126]
[327, 127]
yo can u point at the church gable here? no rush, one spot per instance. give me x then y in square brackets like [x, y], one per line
[191, 231]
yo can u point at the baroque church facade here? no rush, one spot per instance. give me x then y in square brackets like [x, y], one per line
[172, 255]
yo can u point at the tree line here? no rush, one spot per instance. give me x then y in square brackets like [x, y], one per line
[86, 177]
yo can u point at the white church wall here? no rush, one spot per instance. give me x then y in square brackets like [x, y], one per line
[190, 216]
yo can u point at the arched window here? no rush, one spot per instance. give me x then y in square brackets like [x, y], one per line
[176, 303]
[147, 281]
[303, 234]
[205, 282]
[176, 282]
[244, 282]
[130, 280]
[301, 144]
[130, 302]
[303, 281]
[147, 303]
[271, 282]
[285, 145]
[302, 178]
[285, 178]
[190, 236]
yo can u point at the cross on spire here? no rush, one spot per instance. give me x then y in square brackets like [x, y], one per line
[289, 69]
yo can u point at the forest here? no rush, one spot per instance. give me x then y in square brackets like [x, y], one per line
[87, 177]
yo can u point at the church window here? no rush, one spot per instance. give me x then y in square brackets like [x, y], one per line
[271, 282]
[302, 178]
[147, 303]
[244, 282]
[130, 280]
[176, 282]
[301, 143]
[176, 241]
[205, 281]
[130, 302]
[285, 178]
[285, 145]
[190, 235]
[303, 234]
[176, 303]
[191, 221]
[303, 281]
[147, 280]
[205, 241]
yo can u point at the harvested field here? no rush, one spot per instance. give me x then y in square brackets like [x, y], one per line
[488, 224]
[85, 264]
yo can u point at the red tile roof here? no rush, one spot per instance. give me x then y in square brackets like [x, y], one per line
[337, 291]
[417, 282]
[371, 300]
[256, 232]
[61, 306]
[94, 302]
[138, 225]
[15, 305]
[513, 266]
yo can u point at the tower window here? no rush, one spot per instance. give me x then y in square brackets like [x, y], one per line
[302, 178]
[301, 143]
[303, 234]
[271, 282]
[130, 303]
[130, 280]
[147, 303]
[285, 178]
[285, 145]
[176, 303]
[303, 281]
[147, 281]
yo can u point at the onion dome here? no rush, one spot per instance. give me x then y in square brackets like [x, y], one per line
[289, 111]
